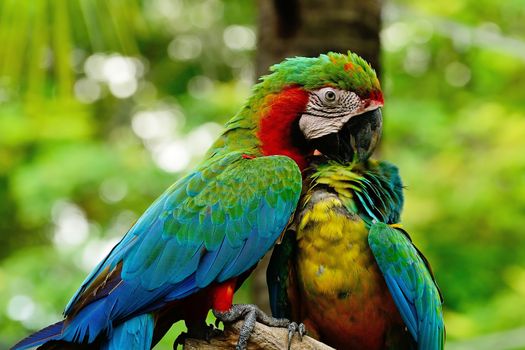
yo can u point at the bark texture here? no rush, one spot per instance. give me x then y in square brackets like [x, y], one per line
[310, 27]
[263, 338]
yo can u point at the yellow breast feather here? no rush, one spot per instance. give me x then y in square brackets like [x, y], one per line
[333, 248]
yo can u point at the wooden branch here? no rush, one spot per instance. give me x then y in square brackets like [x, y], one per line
[262, 338]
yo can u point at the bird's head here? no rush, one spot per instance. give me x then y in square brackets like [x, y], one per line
[330, 104]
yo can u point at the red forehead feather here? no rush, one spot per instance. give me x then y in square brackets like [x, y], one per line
[377, 95]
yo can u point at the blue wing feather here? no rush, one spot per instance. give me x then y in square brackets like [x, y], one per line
[404, 308]
[196, 233]
[411, 285]
[244, 256]
[51, 332]
[135, 333]
[213, 263]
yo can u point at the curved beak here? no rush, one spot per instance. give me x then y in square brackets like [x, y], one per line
[356, 140]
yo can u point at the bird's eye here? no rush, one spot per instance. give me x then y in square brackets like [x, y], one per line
[330, 96]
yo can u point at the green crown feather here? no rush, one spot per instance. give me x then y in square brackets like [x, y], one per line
[347, 72]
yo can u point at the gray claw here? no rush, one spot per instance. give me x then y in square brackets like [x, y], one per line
[293, 327]
[251, 314]
[302, 331]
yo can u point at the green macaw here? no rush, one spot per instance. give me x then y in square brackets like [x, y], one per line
[348, 271]
[196, 244]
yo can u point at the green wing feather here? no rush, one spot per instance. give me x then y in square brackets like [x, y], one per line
[210, 226]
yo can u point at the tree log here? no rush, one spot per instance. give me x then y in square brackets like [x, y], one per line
[262, 338]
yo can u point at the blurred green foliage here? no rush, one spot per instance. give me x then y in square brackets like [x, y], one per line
[103, 105]
[455, 124]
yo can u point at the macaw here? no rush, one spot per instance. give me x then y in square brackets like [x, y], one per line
[194, 246]
[347, 270]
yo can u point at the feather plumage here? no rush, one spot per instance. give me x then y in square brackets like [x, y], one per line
[411, 284]
[213, 225]
[159, 260]
[337, 271]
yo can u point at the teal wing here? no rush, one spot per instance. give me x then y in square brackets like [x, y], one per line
[379, 196]
[211, 226]
[233, 210]
[411, 284]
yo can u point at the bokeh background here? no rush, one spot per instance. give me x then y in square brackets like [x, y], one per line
[103, 104]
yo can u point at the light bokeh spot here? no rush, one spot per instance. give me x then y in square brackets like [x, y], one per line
[185, 47]
[71, 227]
[457, 74]
[20, 307]
[238, 37]
[87, 90]
[172, 157]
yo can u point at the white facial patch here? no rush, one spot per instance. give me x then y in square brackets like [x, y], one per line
[314, 127]
[328, 109]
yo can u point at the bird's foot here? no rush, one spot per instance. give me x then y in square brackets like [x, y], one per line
[293, 328]
[204, 332]
[251, 314]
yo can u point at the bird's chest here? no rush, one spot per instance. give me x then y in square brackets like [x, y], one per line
[343, 293]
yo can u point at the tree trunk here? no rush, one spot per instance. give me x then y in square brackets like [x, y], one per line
[288, 28]
[311, 27]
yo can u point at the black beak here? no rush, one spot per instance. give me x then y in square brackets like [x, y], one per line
[356, 140]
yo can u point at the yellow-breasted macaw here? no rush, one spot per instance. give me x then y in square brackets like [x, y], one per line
[348, 271]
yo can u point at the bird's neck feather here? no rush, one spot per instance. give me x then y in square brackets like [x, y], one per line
[278, 131]
[267, 125]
